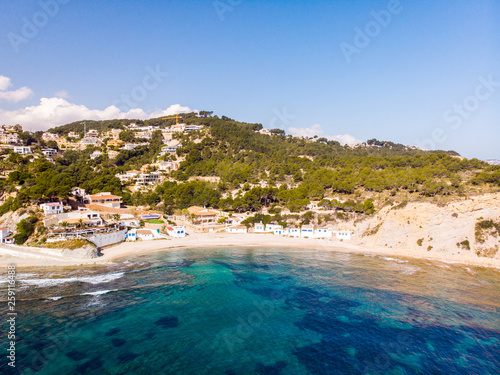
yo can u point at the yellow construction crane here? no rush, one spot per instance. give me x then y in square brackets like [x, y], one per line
[171, 117]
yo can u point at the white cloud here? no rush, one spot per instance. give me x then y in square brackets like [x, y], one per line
[318, 130]
[58, 111]
[345, 139]
[13, 96]
[62, 94]
[307, 132]
[4, 83]
[16, 96]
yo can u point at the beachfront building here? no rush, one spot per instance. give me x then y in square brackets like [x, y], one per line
[201, 216]
[293, 232]
[343, 235]
[106, 199]
[237, 229]
[280, 232]
[145, 234]
[323, 233]
[259, 228]
[307, 231]
[131, 235]
[52, 208]
[176, 231]
[23, 150]
[272, 226]
[5, 236]
[82, 217]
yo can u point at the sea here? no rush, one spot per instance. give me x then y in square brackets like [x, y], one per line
[255, 310]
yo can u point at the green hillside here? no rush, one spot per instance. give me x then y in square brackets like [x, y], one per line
[253, 170]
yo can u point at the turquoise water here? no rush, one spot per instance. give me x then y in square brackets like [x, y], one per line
[259, 311]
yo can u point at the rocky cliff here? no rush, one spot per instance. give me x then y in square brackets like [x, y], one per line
[428, 227]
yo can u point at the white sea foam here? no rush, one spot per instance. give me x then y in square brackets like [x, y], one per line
[394, 260]
[98, 279]
[408, 270]
[99, 292]
[55, 298]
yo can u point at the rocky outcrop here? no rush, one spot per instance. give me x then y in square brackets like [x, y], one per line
[85, 252]
[429, 227]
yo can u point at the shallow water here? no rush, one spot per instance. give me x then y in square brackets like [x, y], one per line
[259, 311]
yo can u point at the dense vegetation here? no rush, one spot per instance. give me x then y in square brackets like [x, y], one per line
[254, 170]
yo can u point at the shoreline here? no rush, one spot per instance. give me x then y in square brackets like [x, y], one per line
[33, 257]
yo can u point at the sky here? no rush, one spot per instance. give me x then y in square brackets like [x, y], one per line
[422, 73]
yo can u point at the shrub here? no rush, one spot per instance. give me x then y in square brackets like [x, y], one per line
[25, 229]
[420, 241]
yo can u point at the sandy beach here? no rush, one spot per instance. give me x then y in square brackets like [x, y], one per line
[23, 256]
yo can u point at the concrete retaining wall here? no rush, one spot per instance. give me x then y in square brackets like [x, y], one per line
[107, 239]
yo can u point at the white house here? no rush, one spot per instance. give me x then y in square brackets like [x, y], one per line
[145, 234]
[146, 179]
[95, 154]
[177, 231]
[5, 236]
[323, 233]
[52, 208]
[106, 199]
[73, 135]
[280, 231]
[78, 192]
[49, 151]
[193, 127]
[259, 228]
[343, 235]
[293, 232]
[272, 226]
[22, 150]
[131, 235]
[307, 231]
[167, 166]
[237, 229]
[170, 148]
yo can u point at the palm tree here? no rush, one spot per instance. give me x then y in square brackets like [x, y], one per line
[80, 223]
[65, 225]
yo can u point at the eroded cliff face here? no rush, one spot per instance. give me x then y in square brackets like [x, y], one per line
[433, 228]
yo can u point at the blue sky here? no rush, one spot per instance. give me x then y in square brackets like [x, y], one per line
[428, 76]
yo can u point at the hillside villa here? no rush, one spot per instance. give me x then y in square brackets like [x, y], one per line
[105, 199]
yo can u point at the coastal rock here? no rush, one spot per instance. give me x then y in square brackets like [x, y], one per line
[85, 252]
[425, 226]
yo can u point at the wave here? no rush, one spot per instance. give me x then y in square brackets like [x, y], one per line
[99, 279]
[98, 293]
[54, 298]
[394, 260]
